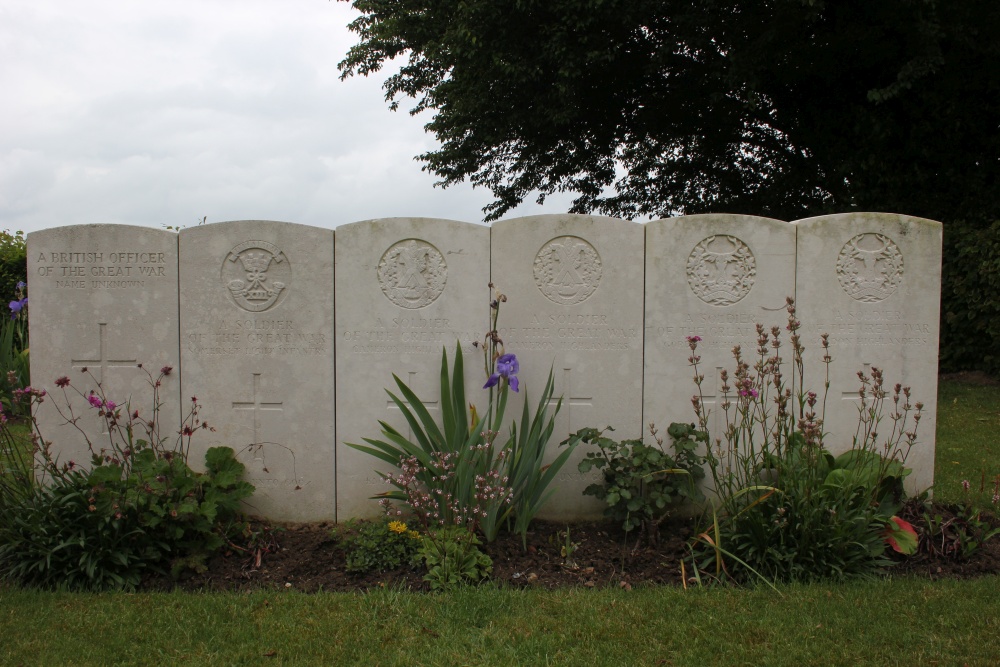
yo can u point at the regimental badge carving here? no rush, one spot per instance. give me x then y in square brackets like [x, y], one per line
[870, 267]
[567, 270]
[721, 270]
[412, 273]
[256, 275]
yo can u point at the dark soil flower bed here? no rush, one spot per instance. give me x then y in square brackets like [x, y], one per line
[308, 558]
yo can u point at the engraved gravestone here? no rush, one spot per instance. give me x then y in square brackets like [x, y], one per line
[256, 331]
[715, 277]
[872, 281]
[406, 287]
[103, 298]
[574, 285]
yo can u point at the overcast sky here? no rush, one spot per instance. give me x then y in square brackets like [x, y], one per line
[162, 112]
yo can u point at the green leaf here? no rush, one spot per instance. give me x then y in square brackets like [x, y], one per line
[901, 536]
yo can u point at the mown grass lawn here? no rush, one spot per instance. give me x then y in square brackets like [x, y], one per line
[968, 441]
[895, 621]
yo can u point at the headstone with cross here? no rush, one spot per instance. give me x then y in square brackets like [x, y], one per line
[257, 331]
[250, 307]
[103, 297]
[710, 279]
[872, 282]
[574, 305]
[405, 289]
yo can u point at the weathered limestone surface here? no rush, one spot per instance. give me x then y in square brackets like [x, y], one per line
[575, 286]
[245, 314]
[104, 298]
[406, 288]
[872, 281]
[715, 277]
[256, 325]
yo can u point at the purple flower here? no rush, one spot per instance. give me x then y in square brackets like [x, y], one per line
[16, 306]
[95, 400]
[507, 368]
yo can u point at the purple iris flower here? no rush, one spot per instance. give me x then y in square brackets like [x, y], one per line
[16, 306]
[507, 368]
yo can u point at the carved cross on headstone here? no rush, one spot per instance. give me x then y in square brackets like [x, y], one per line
[711, 407]
[103, 363]
[258, 406]
[569, 399]
[431, 406]
[855, 395]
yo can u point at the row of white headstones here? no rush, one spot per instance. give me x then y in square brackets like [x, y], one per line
[287, 335]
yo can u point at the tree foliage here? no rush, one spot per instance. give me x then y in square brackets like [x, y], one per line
[784, 108]
[13, 263]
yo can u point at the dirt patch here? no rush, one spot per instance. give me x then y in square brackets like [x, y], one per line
[308, 558]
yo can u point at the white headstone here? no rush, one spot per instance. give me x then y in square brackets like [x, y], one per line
[102, 298]
[715, 277]
[406, 288]
[873, 282]
[575, 290]
[256, 313]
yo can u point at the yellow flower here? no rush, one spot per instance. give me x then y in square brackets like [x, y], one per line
[413, 535]
[397, 526]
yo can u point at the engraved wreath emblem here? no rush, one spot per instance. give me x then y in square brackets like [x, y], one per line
[870, 267]
[256, 275]
[567, 270]
[721, 270]
[412, 273]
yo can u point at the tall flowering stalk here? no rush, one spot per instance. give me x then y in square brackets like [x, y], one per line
[776, 482]
[129, 433]
[500, 368]
[530, 477]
